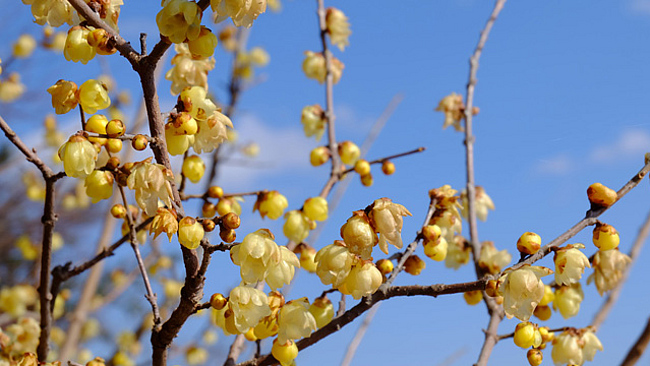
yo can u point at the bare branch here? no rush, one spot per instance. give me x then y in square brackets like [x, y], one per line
[30, 154]
[356, 341]
[638, 348]
[389, 157]
[49, 218]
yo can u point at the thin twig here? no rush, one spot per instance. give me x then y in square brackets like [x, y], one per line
[356, 341]
[512, 334]
[635, 353]
[608, 304]
[389, 157]
[133, 238]
[48, 220]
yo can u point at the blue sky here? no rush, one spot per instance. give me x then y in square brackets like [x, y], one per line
[563, 89]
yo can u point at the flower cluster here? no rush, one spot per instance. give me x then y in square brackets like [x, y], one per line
[187, 70]
[575, 346]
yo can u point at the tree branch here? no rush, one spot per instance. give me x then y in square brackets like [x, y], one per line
[638, 348]
[48, 220]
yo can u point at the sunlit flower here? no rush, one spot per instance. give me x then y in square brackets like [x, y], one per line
[609, 266]
[53, 12]
[358, 235]
[151, 182]
[164, 221]
[457, 252]
[452, 106]
[491, 259]
[11, 88]
[313, 121]
[295, 320]
[242, 13]
[364, 279]
[387, 219]
[296, 226]
[271, 204]
[334, 263]
[483, 203]
[93, 96]
[99, 185]
[570, 264]
[522, 289]
[281, 273]
[256, 255]
[179, 20]
[63, 96]
[338, 27]
[187, 71]
[248, 306]
[24, 46]
[568, 299]
[78, 156]
[77, 47]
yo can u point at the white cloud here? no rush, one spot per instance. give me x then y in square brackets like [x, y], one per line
[641, 7]
[557, 165]
[632, 143]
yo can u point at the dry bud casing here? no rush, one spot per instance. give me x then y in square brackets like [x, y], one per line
[529, 243]
[601, 196]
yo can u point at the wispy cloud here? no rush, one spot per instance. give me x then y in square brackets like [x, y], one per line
[630, 144]
[556, 165]
[641, 7]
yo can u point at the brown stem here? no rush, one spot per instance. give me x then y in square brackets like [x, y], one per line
[638, 348]
[389, 157]
[608, 304]
[48, 220]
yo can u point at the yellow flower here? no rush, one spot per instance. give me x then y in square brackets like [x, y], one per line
[567, 300]
[99, 185]
[196, 102]
[295, 321]
[15, 300]
[522, 289]
[93, 96]
[322, 310]
[307, 255]
[452, 106]
[338, 27]
[24, 46]
[605, 237]
[53, 12]
[24, 336]
[590, 344]
[457, 252]
[241, 12]
[314, 67]
[566, 349]
[527, 335]
[248, 306]
[190, 232]
[11, 88]
[609, 266]
[387, 219]
[296, 227]
[97, 123]
[177, 141]
[28, 250]
[315, 208]
[483, 203]
[187, 71]
[364, 279]
[63, 96]
[77, 47]
[256, 255]
[492, 260]
[204, 44]
[282, 272]
[285, 353]
[271, 204]
[196, 355]
[164, 221]
[570, 264]
[212, 132]
[358, 235]
[78, 156]
[179, 20]
[334, 263]
[193, 168]
[151, 182]
[258, 56]
[313, 121]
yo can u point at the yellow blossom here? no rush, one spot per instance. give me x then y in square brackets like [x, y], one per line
[313, 121]
[568, 299]
[248, 306]
[179, 20]
[282, 272]
[99, 185]
[522, 289]
[483, 203]
[457, 252]
[188, 71]
[452, 106]
[314, 67]
[570, 264]
[212, 132]
[491, 260]
[296, 226]
[164, 221]
[285, 353]
[358, 235]
[204, 44]
[609, 267]
[53, 12]
[256, 255]
[63, 96]
[242, 13]
[271, 204]
[11, 88]
[322, 310]
[386, 217]
[93, 96]
[193, 168]
[295, 321]
[364, 279]
[334, 263]
[338, 27]
[24, 46]
[190, 232]
[315, 208]
[151, 182]
[78, 156]
[77, 47]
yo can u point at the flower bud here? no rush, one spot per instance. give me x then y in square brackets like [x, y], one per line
[218, 301]
[319, 156]
[535, 357]
[527, 335]
[194, 168]
[349, 152]
[100, 40]
[338, 27]
[431, 232]
[601, 196]
[296, 227]
[366, 180]
[204, 44]
[114, 145]
[215, 192]
[115, 128]
[24, 46]
[543, 312]
[285, 353]
[322, 310]
[359, 235]
[385, 266]
[139, 142]
[190, 233]
[414, 265]
[548, 297]
[605, 237]
[436, 250]
[208, 225]
[118, 211]
[271, 204]
[362, 167]
[208, 209]
[473, 297]
[228, 236]
[313, 121]
[387, 167]
[77, 47]
[529, 243]
[97, 124]
[179, 20]
[364, 279]
[315, 208]
[568, 299]
[99, 185]
[314, 66]
[334, 263]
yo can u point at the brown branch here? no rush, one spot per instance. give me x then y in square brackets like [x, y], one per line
[48, 220]
[389, 157]
[366, 303]
[133, 239]
[635, 353]
[30, 154]
[608, 304]
[510, 335]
